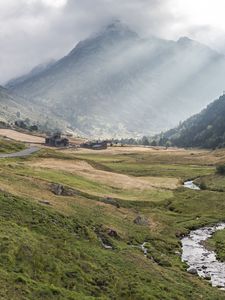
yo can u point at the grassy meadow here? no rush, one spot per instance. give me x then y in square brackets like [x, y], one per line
[52, 246]
[9, 146]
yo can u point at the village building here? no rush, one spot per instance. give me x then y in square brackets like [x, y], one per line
[56, 140]
[95, 145]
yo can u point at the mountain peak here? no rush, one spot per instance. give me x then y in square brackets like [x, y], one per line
[118, 28]
[114, 32]
[184, 39]
[116, 25]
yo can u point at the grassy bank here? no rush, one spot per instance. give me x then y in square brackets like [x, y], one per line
[7, 146]
[51, 247]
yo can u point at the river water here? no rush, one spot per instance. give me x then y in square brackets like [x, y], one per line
[191, 185]
[200, 260]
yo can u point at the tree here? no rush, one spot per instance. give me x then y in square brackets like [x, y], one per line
[153, 143]
[220, 169]
[145, 141]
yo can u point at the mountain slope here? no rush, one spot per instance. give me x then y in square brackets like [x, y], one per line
[8, 106]
[206, 129]
[34, 72]
[116, 83]
[15, 107]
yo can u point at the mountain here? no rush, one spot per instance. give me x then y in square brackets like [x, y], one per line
[9, 108]
[116, 83]
[13, 108]
[34, 72]
[205, 130]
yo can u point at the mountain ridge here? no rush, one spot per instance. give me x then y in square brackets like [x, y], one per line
[116, 83]
[204, 130]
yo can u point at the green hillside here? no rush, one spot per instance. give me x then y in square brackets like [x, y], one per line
[205, 130]
[54, 246]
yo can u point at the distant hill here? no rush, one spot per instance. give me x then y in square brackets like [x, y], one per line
[34, 72]
[205, 130]
[118, 84]
[9, 108]
[14, 108]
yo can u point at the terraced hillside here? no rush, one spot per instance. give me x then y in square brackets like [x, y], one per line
[72, 223]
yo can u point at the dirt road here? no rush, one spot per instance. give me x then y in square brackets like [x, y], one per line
[23, 153]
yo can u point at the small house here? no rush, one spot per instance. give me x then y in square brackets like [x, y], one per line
[95, 145]
[56, 140]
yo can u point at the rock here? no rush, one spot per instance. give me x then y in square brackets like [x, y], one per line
[44, 202]
[108, 247]
[70, 192]
[204, 267]
[113, 233]
[207, 277]
[109, 200]
[105, 243]
[57, 189]
[60, 190]
[192, 271]
[140, 220]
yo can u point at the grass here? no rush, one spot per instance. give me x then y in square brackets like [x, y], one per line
[7, 146]
[178, 171]
[139, 164]
[96, 188]
[217, 244]
[54, 251]
[213, 182]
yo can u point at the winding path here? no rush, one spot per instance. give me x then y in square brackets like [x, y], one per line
[22, 153]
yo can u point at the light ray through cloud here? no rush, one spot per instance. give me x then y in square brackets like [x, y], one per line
[33, 31]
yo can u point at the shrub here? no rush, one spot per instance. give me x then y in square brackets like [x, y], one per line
[220, 169]
[203, 186]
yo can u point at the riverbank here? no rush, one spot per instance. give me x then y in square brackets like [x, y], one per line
[72, 234]
[202, 261]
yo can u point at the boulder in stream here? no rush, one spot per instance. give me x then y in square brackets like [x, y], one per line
[192, 271]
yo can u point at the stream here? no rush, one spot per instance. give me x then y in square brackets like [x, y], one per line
[190, 185]
[201, 261]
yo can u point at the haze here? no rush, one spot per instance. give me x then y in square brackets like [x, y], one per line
[34, 31]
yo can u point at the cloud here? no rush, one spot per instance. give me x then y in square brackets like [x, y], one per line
[32, 31]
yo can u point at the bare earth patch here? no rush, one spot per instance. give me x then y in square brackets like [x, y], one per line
[19, 136]
[84, 169]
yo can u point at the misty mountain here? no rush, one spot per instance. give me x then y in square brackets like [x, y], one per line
[206, 129]
[34, 72]
[8, 106]
[14, 108]
[116, 83]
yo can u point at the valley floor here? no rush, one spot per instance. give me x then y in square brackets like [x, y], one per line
[72, 223]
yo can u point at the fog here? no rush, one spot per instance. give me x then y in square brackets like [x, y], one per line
[34, 31]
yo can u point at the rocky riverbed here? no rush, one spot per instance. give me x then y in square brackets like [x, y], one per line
[200, 260]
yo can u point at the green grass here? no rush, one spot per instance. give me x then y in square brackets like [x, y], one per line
[146, 165]
[217, 244]
[45, 255]
[178, 171]
[7, 146]
[213, 182]
[93, 187]
[48, 253]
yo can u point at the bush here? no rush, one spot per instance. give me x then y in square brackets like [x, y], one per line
[203, 186]
[220, 169]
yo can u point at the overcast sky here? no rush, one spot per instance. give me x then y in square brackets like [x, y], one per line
[33, 31]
